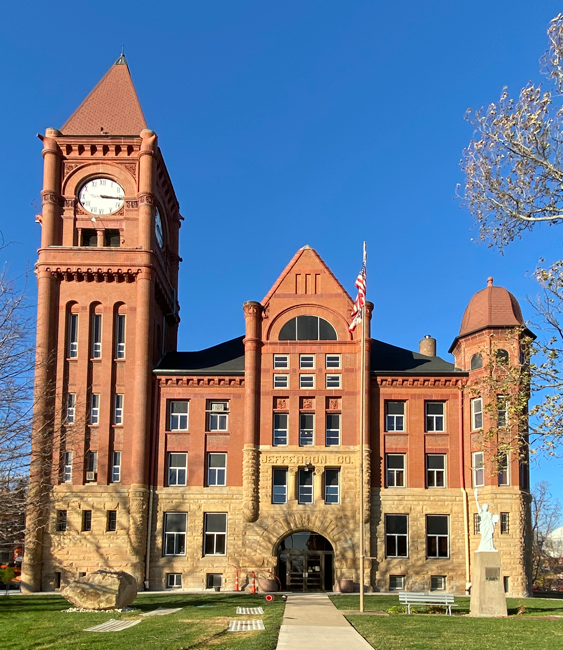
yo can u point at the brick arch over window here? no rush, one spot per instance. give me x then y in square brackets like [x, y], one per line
[335, 319]
[74, 181]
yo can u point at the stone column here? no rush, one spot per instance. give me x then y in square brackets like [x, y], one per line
[250, 457]
[52, 200]
[318, 495]
[146, 189]
[292, 484]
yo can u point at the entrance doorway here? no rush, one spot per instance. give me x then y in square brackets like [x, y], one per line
[306, 562]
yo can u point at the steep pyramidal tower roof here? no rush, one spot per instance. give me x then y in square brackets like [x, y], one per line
[112, 108]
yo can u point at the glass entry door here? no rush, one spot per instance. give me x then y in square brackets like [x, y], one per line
[306, 562]
[305, 571]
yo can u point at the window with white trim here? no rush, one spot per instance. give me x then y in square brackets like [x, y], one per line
[96, 336]
[91, 463]
[216, 469]
[435, 470]
[111, 521]
[61, 521]
[476, 413]
[333, 381]
[332, 486]
[395, 470]
[86, 521]
[279, 485]
[478, 467]
[280, 429]
[116, 467]
[218, 415]
[281, 361]
[332, 438]
[118, 409]
[120, 336]
[305, 486]
[306, 429]
[175, 533]
[437, 583]
[177, 468]
[67, 466]
[306, 381]
[396, 535]
[215, 533]
[70, 408]
[179, 412]
[333, 361]
[73, 336]
[306, 360]
[503, 469]
[394, 416]
[501, 410]
[281, 381]
[95, 408]
[504, 523]
[397, 583]
[173, 580]
[437, 536]
[435, 416]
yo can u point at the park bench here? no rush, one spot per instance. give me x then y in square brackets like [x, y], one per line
[442, 600]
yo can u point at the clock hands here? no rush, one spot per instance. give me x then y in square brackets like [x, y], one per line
[106, 196]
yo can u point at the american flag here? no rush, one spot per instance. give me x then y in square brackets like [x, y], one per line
[357, 309]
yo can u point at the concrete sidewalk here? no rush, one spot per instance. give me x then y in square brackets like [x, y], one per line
[311, 621]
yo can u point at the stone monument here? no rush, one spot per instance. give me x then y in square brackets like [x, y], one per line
[103, 589]
[487, 587]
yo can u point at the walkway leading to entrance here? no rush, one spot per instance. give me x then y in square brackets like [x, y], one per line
[311, 621]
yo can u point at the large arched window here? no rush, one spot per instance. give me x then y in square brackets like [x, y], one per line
[476, 361]
[307, 328]
[502, 356]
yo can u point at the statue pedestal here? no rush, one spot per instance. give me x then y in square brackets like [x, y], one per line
[487, 586]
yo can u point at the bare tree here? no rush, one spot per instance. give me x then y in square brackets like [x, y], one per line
[546, 517]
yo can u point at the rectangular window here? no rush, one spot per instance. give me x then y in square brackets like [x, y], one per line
[112, 238]
[476, 524]
[281, 381]
[305, 486]
[306, 381]
[332, 429]
[437, 583]
[95, 408]
[333, 381]
[118, 409]
[174, 580]
[396, 535]
[478, 468]
[86, 520]
[281, 361]
[395, 470]
[70, 408]
[97, 336]
[61, 520]
[179, 415]
[397, 583]
[91, 464]
[116, 467]
[435, 416]
[73, 336]
[501, 411]
[280, 429]
[58, 576]
[476, 413]
[506, 584]
[503, 469]
[215, 533]
[437, 536]
[306, 429]
[111, 523]
[394, 416]
[218, 416]
[175, 533]
[332, 486]
[504, 523]
[67, 467]
[213, 580]
[435, 470]
[333, 361]
[216, 469]
[177, 468]
[120, 337]
[279, 485]
[306, 360]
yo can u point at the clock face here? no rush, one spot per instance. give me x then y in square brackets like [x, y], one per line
[101, 196]
[158, 228]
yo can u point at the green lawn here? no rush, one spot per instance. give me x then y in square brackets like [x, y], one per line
[37, 622]
[458, 632]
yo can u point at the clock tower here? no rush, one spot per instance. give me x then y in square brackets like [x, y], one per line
[107, 276]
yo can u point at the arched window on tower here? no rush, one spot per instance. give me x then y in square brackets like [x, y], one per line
[307, 328]
[476, 361]
[502, 356]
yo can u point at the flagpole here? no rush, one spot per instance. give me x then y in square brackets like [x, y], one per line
[362, 437]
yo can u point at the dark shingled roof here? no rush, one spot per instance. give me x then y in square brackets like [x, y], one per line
[228, 359]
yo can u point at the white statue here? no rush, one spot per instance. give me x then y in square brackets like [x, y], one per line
[487, 523]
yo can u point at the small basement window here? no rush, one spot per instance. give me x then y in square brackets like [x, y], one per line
[214, 580]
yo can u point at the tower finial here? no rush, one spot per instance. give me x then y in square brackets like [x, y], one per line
[122, 60]
[490, 281]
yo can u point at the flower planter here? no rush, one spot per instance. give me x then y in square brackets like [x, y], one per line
[267, 585]
[344, 586]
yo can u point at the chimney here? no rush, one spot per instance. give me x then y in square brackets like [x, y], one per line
[427, 346]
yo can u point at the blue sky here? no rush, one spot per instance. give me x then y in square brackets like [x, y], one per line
[320, 122]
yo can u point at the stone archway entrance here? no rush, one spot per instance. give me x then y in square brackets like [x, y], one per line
[306, 562]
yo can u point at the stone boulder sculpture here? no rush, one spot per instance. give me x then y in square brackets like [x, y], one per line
[103, 589]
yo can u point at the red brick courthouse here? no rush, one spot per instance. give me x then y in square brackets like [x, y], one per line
[183, 468]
